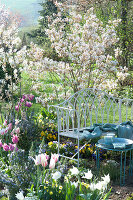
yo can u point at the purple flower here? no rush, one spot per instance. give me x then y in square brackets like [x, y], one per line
[1, 144]
[30, 97]
[10, 126]
[5, 123]
[17, 108]
[15, 139]
[28, 104]
[11, 147]
[5, 147]
[22, 100]
[15, 146]
[24, 97]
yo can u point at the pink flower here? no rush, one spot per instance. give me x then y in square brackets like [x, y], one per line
[1, 144]
[22, 100]
[11, 147]
[15, 146]
[17, 108]
[55, 157]
[28, 104]
[15, 139]
[12, 132]
[5, 147]
[2, 132]
[5, 123]
[24, 97]
[47, 156]
[41, 159]
[10, 126]
[38, 160]
[30, 97]
[17, 130]
[16, 122]
[52, 163]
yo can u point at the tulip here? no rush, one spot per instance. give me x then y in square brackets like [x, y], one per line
[1, 144]
[30, 97]
[41, 159]
[5, 123]
[5, 147]
[16, 122]
[28, 104]
[24, 97]
[15, 139]
[55, 157]
[10, 126]
[15, 147]
[17, 108]
[52, 163]
[22, 100]
[38, 160]
[11, 147]
[17, 130]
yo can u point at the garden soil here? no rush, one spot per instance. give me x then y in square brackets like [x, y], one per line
[122, 192]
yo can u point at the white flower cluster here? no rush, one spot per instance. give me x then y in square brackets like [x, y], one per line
[10, 45]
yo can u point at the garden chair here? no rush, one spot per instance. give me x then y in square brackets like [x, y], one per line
[85, 108]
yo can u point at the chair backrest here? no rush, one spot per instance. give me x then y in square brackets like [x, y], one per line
[95, 106]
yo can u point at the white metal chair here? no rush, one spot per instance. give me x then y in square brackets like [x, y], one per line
[86, 107]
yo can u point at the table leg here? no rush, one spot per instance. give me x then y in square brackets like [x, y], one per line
[124, 168]
[130, 163]
[121, 170]
[97, 159]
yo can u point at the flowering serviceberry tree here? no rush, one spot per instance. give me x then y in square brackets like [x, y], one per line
[82, 42]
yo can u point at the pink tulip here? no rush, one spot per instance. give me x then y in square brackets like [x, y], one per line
[30, 97]
[2, 132]
[28, 104]
[17, 130]
[6, 130]
[12, 132]
[1, 144]
[38, 160]
[16, 122]
[5, 147]
[55, 157]
[17, 108]
[47, 156]
[15, 147]
[10, 126]
[41, 159]
[5, 123]
[52, 163]
[22, 100]
[15, 139]
[11, 147]
[24, 97]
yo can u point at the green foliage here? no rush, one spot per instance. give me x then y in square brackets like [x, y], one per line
[122, 9]
[48, 8]
[130, 197]
[29, 132]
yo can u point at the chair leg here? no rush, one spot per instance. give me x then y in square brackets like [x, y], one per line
[78, 152]
[58, 144]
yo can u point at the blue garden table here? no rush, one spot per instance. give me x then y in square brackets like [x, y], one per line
[122, 161]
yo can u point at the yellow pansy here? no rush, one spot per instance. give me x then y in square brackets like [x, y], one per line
[50, 192]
